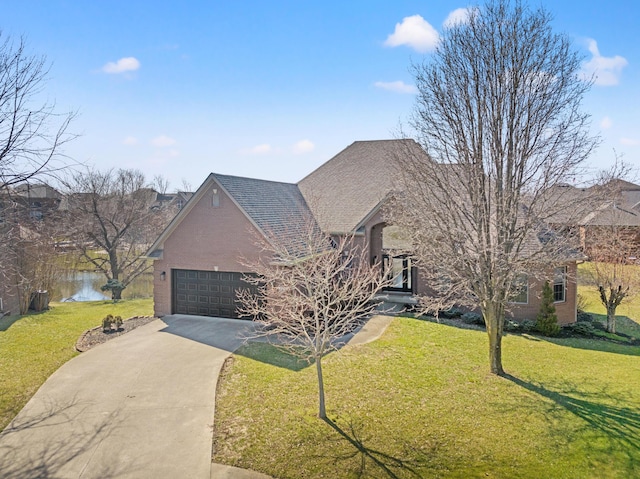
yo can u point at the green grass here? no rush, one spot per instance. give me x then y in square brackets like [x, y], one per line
[419, 402]
[627, 314]
[32, 347]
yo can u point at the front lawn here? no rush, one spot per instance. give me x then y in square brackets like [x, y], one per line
[32, 347]
[419, 402]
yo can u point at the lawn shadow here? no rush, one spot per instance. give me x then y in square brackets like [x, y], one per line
[391, 466]
[596, 344]
[7, 321]
[603, 413]
[273, 355]
[624, 324]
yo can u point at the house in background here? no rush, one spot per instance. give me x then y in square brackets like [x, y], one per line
[37, 200]
[600, 210]
[200, 258]
[172, 200]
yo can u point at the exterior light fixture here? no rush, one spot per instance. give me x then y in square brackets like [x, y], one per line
[163, 276]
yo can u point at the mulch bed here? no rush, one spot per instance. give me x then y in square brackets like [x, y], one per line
[94, 337]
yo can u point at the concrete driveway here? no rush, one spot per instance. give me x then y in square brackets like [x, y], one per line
[139, 406]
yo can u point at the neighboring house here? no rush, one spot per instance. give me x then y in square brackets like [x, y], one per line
[200, 258]
[177, 201]
[615, 204]
[37, 201]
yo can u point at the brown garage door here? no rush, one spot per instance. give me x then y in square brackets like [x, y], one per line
[207, 293]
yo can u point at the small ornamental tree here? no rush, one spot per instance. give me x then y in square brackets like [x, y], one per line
[116, 287]
[547, 320]
[614, 246]
[311, 292]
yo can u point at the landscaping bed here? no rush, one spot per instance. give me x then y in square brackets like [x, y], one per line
[588, 326]
[95, 336]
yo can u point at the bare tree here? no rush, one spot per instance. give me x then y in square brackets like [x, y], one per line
[614, 269]
[32, 133]
[611, 239]
[111, 222]
[312, 291]
[161, 184]
[498, 113]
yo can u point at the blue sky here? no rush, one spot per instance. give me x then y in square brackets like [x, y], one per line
[274, 89]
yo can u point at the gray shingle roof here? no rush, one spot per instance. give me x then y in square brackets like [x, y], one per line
[613, 204]
[344, 190]
[278, 209]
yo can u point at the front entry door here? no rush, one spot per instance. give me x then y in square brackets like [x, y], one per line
[398, 269]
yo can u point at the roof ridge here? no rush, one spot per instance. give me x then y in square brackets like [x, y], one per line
[216, 175]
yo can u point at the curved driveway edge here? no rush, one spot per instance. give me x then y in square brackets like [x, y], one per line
[138, 406]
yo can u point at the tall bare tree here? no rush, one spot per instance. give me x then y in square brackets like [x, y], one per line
[32, 133]
[311, 292]
[111, 221]
[498, 112]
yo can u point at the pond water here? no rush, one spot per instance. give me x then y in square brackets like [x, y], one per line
[85, 286]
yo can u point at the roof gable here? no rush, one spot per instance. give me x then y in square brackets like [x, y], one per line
[277, 210]
[354, 183]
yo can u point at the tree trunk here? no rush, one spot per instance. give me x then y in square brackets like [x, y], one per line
[116, 294]
[611, 319]
[494, 320]
[322, 413]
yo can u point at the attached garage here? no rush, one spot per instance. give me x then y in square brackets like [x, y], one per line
[199, 260]
[207, 293]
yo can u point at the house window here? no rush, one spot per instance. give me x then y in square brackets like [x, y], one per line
[520, 292]
[215, 198]
[560, 284]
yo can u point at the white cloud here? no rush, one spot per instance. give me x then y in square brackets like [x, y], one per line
[123, 65]
[414, 32]
[606, 123]
[396, 86]
[262, 149]
[303, 146]
[630, 142]
[605, 70]
[130, 141]
[163, 141]
[458, 16]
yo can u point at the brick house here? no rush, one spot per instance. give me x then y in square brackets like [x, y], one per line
[198, 259]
